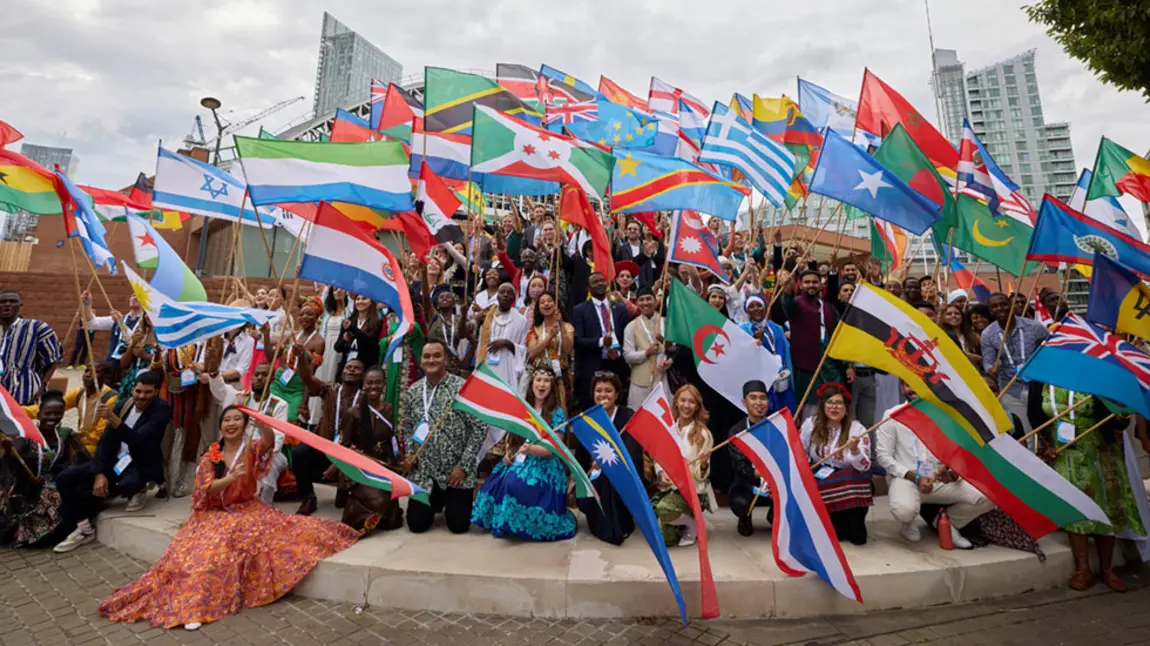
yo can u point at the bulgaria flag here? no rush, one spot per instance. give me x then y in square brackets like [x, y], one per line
[651, 428]
[485, 396]
[14, 421]
[725, 356]
[503, 145]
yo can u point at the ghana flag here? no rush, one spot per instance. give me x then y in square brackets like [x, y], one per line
[1119, 171]
[1005, 471]
[27, 185]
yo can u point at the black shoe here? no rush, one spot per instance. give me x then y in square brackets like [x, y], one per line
[307, 507]
[161, 493]
[341, 496]
[746, 527]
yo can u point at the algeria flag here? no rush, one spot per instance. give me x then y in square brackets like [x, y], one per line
[725, 356]
[503, 145]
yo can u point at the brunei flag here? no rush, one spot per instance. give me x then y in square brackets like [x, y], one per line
[1118, 171]
[450, 98]
[956, 416]
[27, 185]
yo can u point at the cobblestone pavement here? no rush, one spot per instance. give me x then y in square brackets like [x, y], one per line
[51, 599]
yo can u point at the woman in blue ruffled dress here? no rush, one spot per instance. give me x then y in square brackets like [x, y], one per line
[525, 496]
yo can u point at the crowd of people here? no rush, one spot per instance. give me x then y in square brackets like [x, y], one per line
[529, 300]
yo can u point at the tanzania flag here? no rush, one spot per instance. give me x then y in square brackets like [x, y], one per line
[487, 397]
[27, 185]
[1008, 474]
[1119, 171]
[450, 98]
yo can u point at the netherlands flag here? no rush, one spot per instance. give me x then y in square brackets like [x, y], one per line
[14, 421]
[801, 535]
[341, 254]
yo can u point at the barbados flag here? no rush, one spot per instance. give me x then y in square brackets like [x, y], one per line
[1118, 298]
[649, 182]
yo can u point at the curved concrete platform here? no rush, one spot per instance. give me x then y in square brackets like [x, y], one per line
[585, 577]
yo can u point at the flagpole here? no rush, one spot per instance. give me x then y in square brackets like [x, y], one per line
[1009, 318]
[1084, 433]
[100, 284]
[263, 236]
[83, 319]
[1055, 418]
[287, 310]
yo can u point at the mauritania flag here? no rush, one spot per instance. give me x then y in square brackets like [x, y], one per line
[372, 174]
[359, 468]
[726, 357]
[185, 184]
[179, 324]
[767, 164]
[490, 399]
[172, 277]
[501, 145]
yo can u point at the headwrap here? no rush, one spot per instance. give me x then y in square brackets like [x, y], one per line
[955, 295]
[313, 303]
[752, 298]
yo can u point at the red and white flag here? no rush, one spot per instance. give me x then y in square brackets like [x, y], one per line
[651, 426]
[9, 135]
[1040, 313]
[439, 204]
[692, 243]
[14, 421]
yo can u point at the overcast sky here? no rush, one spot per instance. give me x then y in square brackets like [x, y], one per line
[111, 77]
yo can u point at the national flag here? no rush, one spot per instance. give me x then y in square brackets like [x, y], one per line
[450, 98]
[725, 356]
[1118, 298]
[24, 184]
[1041, 314]
[849, 175]
[616, 94]
[1004, 470]
[503, 145]
[980, 177]
[373, 174]
[14, 420]
[179, 324]
[171, 276]
[881, 331]
[743, 107]
[9, 135]
[488, 398]
[348, 128]
[596, 432]
[667, 137]
[436, 204]
[377, 96]
[664, 97]
[356, 466]
[766, 164]
[1107, 210]
[161, 219]
[565, 87]
[901, 156]
[470, 196]
[975, 287]
[648, 182]
[802, 535]
[1065, 235]
[827, 110]
[370, 220]
[341, 254]
[80, 221]
[188, 185]
[114, 206]
[651, 427]
[523, 82]
[574, 207]
[558, 115]
[448, 155]
[1000, 240]
[692, 125]
[887, 244]
[264, 134]
[781, 120]
[417, 232]
[692, 243]
[881, 108]
[617, 126]
[1118, 171]
[402, 114]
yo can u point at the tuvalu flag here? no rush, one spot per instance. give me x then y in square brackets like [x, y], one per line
[1118, 298]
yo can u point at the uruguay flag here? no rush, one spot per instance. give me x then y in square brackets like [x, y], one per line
[341, 254]
[801, 533]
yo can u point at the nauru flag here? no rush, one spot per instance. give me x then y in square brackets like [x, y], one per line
[341, 254]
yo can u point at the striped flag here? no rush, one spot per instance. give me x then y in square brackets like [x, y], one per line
[887, 243]
[616, 94]
[14, 421]
[731, 141]
[358, 467]
[372, 174]
[179, 324]
[188, 185]
[439, 204]
[801, 532]
[82, 222]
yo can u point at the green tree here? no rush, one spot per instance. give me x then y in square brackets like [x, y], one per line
[1111, 36]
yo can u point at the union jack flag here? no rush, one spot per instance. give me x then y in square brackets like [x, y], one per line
[565, 113]
[1077, 335]
[378, 95]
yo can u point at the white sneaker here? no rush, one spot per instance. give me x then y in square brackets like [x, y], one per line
[77, 538]
[137, 502]
[960, 542]
[911, 532]
[688, 539]
[195, 625]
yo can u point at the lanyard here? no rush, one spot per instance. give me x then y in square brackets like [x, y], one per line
[647, 329]
[1021, 347]
[290, 356]
[1054, 404]
[822, 323]
[427, 401]
[378, 414]
[339, 405]
[558, 339]
[449, 334]
[239, 452]
[768, 336]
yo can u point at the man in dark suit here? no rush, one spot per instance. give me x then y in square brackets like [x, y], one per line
[599, 326]
[128, 457]
[631, 247]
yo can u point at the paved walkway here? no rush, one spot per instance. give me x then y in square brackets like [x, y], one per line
[51, 599]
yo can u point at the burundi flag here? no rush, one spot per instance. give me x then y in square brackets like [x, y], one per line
[24, 184]
[726, 357]
[1118, 171]
[450, 99]
[502, 145]
[171, 276]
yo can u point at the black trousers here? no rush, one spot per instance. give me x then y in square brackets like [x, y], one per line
[850, 524]
[454, 503]
[740, 497]
[80, 349]
[307, 465]
[75, 486]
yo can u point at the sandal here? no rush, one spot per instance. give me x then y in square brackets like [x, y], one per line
[1113, 581]
[1081, 580]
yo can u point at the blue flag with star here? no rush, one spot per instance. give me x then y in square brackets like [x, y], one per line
[617, 126]
[848, 174]
[596, 432]
[191, 186]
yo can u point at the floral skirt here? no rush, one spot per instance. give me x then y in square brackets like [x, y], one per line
[526, 500]
[28, 518]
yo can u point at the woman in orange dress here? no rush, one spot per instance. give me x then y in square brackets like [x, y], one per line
[234, 551]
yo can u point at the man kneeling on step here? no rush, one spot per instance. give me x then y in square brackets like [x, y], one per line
[915, 476]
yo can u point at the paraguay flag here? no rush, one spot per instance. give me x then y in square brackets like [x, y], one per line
[801, 534]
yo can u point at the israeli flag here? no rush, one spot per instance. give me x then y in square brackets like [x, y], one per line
[185, 184]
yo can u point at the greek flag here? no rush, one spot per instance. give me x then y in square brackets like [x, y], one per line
[731, 141]
[179, 324]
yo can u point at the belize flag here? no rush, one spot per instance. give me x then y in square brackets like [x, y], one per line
[341, 254]
[801, 534]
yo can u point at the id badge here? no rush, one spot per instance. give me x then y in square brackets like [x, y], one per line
[1066, 432]
[352, 354]
[124, 460]
[762, 489]
[595, 473]
[187, 377]
[522, 457]
[824, 471]
[286, 376]
[336, 438]
[492, 360]
[555, 368]
[394, 445]
[397, 356]
[421, 432]
[926, 469]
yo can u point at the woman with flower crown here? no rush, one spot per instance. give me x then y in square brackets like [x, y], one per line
[234, 551]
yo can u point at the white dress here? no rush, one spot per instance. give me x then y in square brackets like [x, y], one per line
[331, 327]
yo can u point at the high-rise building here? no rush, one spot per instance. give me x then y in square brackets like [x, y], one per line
[347, 63]
[51, 156]
[949, 85]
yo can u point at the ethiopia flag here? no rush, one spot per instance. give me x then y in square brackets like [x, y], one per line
[726, 357]
[27, 185]
[1004, 470]
[487, 397]
[1119, 171]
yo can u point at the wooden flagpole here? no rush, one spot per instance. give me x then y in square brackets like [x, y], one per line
[83, 319]
[1084, 433]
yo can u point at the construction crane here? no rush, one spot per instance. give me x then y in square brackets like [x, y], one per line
[196, 137]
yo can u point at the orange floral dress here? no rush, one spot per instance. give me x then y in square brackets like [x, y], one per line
[233, 552]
